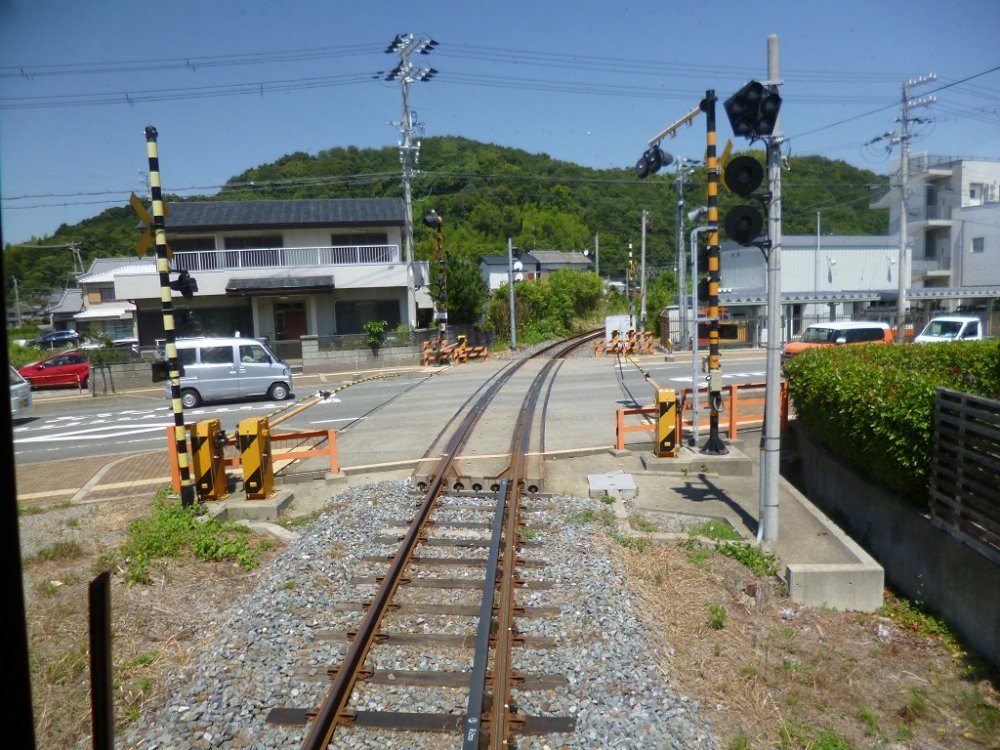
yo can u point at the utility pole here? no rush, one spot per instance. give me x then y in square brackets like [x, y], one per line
[771, 436]
[642, 274]
[903, 138]
[904, 178]
[597, 254]
[683, 165]
[409, 152]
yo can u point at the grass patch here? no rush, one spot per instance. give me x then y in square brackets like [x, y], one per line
[717, 530]
[60, 551]
[717, 617]
[173, 530]
[641, 524]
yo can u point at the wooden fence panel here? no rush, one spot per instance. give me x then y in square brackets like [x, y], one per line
[964, 491]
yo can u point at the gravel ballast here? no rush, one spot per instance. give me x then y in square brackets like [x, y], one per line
[274, 646]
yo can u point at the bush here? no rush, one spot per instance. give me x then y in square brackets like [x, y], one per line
[873, 406]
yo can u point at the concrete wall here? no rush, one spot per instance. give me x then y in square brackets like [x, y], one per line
[923, 562]
[314, 360]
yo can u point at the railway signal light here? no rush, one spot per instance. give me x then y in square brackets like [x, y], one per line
[651, 161]
[185, 284]
[753, 110]
[743, 175]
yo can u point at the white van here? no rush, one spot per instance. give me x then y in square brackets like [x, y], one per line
[20, 393]
[217, 369]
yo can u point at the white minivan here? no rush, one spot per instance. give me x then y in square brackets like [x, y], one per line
[219, 369]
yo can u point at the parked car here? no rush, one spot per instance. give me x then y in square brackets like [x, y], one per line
[64, 368]
[217, 369]
[20, 393]
[56, 339]
[951, 328]
[835, 334]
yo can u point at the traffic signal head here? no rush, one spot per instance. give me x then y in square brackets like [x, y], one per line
[743, 175]
[753, 110]
[433, 219]
[743, 224]
[651, 161]
[184, 284]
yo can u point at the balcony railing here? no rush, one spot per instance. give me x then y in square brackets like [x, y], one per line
[286, 257]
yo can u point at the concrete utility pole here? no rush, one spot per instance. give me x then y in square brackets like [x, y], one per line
[642, 274]
[683, 166]
[904, 178]
[771, 436]
[597, 254]
[409, 152]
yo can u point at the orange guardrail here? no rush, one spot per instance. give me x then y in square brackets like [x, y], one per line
[742, 408]
[290, 455]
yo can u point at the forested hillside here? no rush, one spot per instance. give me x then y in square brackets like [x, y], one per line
[487, 193]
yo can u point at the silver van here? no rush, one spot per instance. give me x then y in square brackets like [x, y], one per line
[217, 369]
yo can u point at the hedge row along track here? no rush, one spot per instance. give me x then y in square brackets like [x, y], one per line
[488, 547]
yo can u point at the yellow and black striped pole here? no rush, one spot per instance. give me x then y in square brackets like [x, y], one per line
[714, 445]
[163, 267]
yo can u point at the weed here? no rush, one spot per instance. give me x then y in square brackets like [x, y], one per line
[639, 545]
[605, 517]
[761, 563]
[915, 618]
[698, 553]
[529, 534]
[34, 510]
[289, 585]
[870, 720]
[50, 588]
[915, 706]
[172, 529]
[795, 735]
[713, 529]
[717, 617]
[139, 660]
[740, 742]
[299, 521]
[641, 524]
[608, 500]
[980, 714]
[63, 550]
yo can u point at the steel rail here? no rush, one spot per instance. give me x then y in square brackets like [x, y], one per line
[333, 709]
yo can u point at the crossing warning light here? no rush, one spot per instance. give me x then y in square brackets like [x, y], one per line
[651, 161]
[753, 110]
[185, 284]
[743, 175]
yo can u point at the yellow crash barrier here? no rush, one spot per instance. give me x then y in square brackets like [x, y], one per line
[208, 458]
[254, 440]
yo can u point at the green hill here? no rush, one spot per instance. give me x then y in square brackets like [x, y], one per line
[487, 193]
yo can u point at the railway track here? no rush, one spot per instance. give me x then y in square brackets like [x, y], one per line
[468, 555]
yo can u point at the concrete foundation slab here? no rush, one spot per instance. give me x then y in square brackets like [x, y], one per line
[618, 485]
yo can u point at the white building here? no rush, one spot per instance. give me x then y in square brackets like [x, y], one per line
[953, 232]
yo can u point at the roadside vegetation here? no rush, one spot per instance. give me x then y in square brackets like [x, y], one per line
[873, 406]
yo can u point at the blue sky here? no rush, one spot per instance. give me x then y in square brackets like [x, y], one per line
[589, 83]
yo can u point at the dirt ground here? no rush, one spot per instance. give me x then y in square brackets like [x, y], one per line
[768, 673]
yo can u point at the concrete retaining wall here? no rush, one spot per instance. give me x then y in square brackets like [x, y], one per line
[337, 360]
[921, 561]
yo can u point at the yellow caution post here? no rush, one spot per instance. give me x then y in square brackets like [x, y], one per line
[208, 457]
[666, 423]
[254, 440]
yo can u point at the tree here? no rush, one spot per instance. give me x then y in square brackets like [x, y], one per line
[467, 292]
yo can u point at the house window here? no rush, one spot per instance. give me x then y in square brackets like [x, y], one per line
[192, 244]
[256, 242]
[978, 244]
[107, 294]
[359, 238]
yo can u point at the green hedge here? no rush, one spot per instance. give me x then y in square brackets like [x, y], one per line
[873, 406]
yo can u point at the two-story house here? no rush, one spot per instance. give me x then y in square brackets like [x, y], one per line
[280, 269]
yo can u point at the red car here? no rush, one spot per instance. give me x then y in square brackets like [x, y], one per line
[65, 368]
